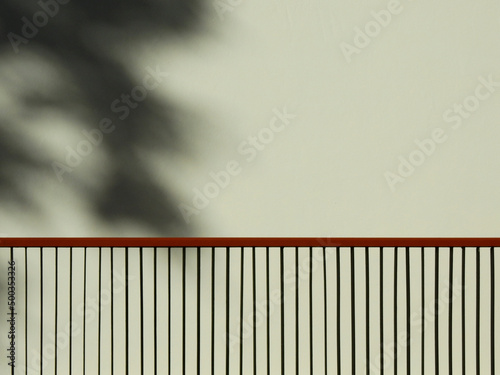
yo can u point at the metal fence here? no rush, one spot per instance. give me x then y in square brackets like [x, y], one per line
[249, 310]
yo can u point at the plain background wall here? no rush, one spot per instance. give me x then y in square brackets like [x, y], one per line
[324, 174]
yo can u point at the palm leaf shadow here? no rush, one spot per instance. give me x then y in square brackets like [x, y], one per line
[131, 191]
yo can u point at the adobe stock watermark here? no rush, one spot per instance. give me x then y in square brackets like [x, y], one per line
[222, 7]
[121, 107]
[40, 359]
[249, 149]
[455, 116]
[31, 27]
[419, 321]
[250, 321]
[372, 29]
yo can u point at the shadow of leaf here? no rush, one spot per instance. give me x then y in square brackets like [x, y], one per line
[79, 40]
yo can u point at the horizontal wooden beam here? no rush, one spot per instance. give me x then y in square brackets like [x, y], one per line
[249, 242]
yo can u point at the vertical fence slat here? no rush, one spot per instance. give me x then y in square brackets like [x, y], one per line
[463, 310]
[492, 307]
[396, 252]
[296, 310]
[242, 270]
[212, 353]
[367, 301]
[478, 336]
[382, 352]
[353, 320]
[450, 317]
[228, 300]
[422, 271]
[111, 256]
[170, 313]
[198, 317]
[408, 332]
[325, 312]
[268, 325]
[436, 309]
[99, 332]
[155, 307]
[254, 303]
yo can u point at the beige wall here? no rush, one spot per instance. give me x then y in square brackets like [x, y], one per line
[324, 174]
